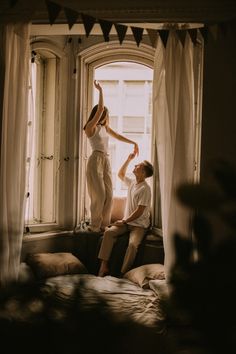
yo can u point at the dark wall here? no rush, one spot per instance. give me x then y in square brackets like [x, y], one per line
[219, 100]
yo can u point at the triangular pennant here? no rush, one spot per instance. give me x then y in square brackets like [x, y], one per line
[13, 3]
[53, 11]
[204, 32]
[164, 36]
[71, 16]
[214, 31]
[137, 33]
[181, 35]
[153, 35]
[223, 28]
[106, 27]
[121, 31]
[193, 34]
[88, 22]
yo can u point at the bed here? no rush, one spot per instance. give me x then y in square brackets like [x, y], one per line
[58, 307]
[125, 300]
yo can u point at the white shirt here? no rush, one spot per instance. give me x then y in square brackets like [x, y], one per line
[138, 194]
[99, 140]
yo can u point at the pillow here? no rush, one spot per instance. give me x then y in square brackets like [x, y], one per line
[46, 265]
[141, 275]
[118, 208]
[160, 287]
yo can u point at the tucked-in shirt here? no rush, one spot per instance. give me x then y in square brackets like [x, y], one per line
[138, 194]
[99, 140]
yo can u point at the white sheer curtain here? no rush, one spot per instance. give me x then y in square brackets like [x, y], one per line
[176, 72]
[15, 60]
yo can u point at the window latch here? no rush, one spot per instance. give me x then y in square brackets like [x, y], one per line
[43, 157]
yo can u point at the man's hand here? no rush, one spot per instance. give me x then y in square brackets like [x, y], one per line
[122, 171]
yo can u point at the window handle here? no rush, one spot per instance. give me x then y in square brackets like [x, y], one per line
[43, 157]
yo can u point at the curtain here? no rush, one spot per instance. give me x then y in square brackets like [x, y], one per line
[175, 98]
[15, 65]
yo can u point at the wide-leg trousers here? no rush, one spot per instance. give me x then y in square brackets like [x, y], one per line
[99, 184]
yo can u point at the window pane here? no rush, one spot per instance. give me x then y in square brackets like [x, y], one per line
[127, 94]
[110, 91]
[133, 124]
[42, 146]
[134, 98]
[113, 122]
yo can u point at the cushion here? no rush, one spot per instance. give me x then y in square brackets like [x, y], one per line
[118, 208]
[46, 265]
[143, 274]
[160, 287]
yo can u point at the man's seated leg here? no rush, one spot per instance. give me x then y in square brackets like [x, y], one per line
[109, 238]
[135, 238]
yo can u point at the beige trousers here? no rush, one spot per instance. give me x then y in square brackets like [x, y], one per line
[99, 184]
[109, 238]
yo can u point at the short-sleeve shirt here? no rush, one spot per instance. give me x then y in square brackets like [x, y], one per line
[138, 194]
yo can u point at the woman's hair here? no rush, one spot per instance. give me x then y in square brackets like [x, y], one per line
[92, 114]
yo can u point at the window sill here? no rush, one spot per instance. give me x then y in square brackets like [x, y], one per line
[45, 235]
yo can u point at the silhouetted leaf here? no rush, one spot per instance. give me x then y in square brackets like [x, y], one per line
[197, 196]
[203, 235]
[225, 174]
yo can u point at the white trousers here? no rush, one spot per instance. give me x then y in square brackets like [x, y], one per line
[109, 238]
[99, 184]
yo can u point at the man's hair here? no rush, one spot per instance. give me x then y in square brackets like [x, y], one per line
[148, 168]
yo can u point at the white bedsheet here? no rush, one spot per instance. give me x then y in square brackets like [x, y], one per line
[124, 299]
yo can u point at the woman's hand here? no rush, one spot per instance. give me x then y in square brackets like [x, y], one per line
[97, 85]
[136, 149]
[131, 156]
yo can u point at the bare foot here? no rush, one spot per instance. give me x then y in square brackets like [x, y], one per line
[104, 269]
[102, 273]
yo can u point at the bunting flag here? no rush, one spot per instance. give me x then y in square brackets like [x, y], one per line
[106, 28]
[71, 16]
[181, 35]
[164, 36]
[193, 35]
[138, 34]
[153, 36]
[121, 31]
[53, 11]
[88, 22]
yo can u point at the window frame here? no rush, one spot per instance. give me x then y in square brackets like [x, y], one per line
[60, 117]
[73, 111]
[88, 60]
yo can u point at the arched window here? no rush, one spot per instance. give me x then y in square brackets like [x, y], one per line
[125, 73]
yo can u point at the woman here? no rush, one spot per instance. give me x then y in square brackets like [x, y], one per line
[99, 177]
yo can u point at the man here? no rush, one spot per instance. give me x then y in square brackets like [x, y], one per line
[136, 219]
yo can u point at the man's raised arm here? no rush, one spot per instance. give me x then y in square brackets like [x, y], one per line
[123, 169]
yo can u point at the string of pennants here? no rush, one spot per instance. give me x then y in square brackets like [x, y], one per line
[89, 21]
